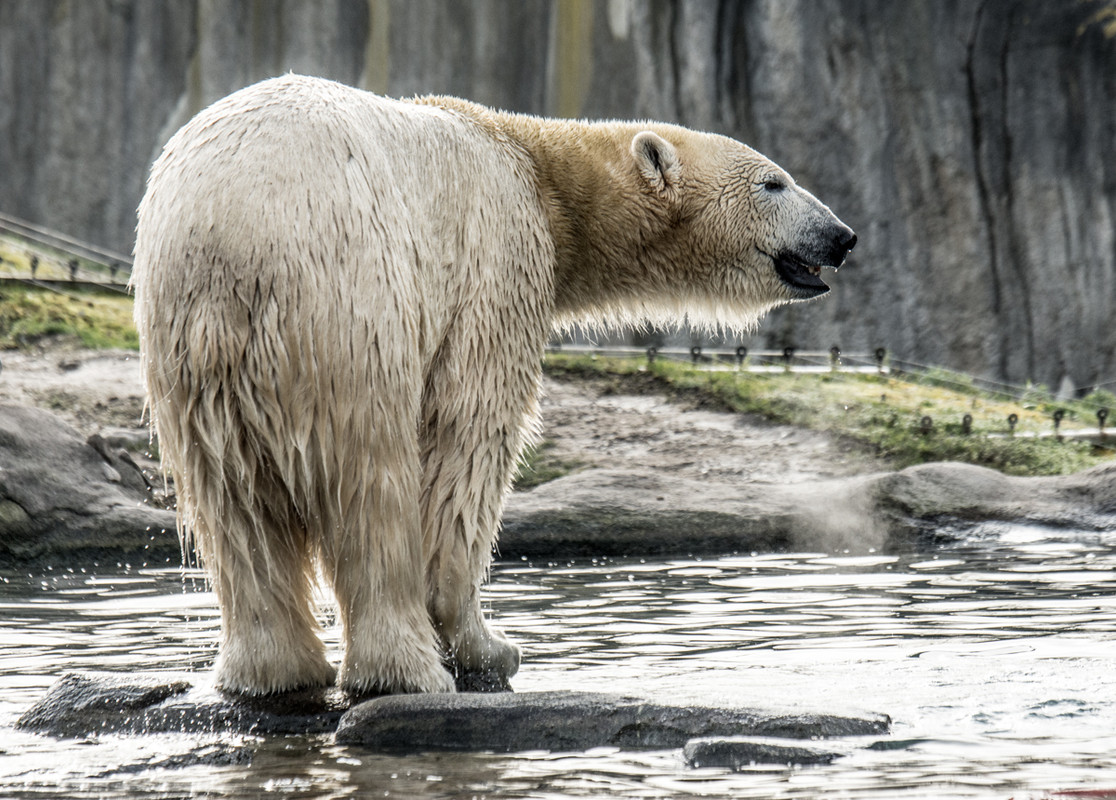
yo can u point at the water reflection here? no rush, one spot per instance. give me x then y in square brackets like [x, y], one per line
[995, 659]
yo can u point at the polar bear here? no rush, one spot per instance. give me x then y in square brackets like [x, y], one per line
[342, 303]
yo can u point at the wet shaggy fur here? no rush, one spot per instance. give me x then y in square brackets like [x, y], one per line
[342, 302]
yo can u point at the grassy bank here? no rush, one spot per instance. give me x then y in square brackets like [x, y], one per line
[88, 317]
[880, 413]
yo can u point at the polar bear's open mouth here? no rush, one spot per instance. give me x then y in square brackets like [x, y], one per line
[803, 278]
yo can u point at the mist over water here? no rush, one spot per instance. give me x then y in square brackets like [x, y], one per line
[994, 659]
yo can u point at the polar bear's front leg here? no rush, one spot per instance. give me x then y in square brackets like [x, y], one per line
[460, 531]
[474, 647]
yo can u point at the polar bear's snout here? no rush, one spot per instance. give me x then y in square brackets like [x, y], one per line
[842, 243]
[800, 267]
[828, 244]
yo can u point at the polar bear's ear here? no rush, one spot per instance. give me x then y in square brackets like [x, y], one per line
[657, 160]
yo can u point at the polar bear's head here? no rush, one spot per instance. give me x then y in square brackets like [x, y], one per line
[749, 236]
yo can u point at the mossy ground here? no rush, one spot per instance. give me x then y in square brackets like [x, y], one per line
[882, 413]
[93, 318]
[538, 464]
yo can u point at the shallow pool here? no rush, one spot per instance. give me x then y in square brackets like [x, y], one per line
[996, 660]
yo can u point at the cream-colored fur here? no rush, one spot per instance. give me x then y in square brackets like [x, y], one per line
[342, 302]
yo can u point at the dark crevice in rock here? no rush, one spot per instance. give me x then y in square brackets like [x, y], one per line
[1016, 250]
[673, 31]
[976, 132]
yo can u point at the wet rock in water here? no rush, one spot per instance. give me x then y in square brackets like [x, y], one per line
[568, 721]
[62, 496]
[639, 512]
[742, 751]
[614, 512]
[209, 755]
[79, 705]
[84, 705]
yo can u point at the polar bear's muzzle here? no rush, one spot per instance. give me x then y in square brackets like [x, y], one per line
[803, 278]
[801, 270]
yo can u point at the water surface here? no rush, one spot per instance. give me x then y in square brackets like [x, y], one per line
[996, 661]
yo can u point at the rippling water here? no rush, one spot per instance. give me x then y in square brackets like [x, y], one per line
[994, 659]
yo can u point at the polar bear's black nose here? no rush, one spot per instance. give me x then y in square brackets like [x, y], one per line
[842, 240]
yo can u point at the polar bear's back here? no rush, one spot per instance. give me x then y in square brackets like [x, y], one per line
[294, 159]
[320, 195]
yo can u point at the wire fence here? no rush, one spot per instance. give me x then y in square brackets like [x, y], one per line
[878, 361]
[36, 253]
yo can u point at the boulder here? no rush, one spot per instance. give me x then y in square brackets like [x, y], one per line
[966, 493]
[83, 705]
[62, 496]
[65, 497]
[639, 512]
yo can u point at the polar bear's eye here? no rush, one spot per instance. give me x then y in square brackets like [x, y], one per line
[774, 185]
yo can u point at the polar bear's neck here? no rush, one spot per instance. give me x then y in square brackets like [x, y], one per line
[613, 238]
[608, 230]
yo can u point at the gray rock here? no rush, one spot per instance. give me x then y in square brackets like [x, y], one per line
[568, 721]
[741, 751]
[64, 497]
[639, 512]
[129, 439]
[963, 492]
[78, 705]
[206, 755]
[85, 705]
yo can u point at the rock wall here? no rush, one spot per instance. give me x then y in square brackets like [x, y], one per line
[969, 143]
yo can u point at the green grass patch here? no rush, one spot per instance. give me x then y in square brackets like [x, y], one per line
[538, 464]
[880, 413]
[90, 317]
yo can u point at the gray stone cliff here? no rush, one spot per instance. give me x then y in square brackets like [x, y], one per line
[969, 143]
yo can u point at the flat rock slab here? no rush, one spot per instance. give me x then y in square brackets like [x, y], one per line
[88, 705]
[569, 721]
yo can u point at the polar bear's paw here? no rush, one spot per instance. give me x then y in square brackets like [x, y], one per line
[404, 670]
[264, 666]
[485, 652]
